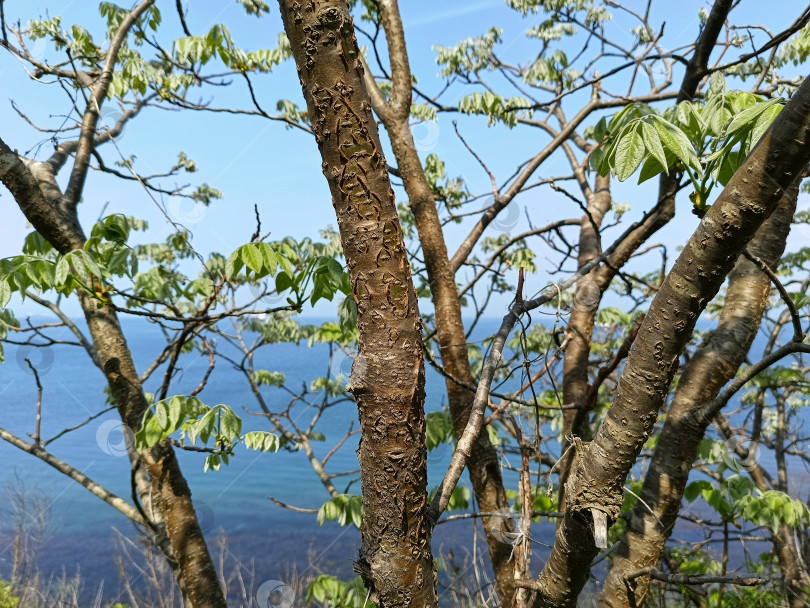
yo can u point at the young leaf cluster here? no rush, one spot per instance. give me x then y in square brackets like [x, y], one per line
[194, 420]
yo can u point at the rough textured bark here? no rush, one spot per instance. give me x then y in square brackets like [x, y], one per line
[170, 493]
[599, 475]
[483, 467]
[580, 326]
[713, 364]
[388, 375]
[169, 490]
[581, 321]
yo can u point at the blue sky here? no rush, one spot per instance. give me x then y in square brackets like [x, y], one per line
[254, 161]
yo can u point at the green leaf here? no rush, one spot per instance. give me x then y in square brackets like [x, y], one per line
[263, 377]
[175, 410]
[345, 509]
[717, 84]
[597, 160]
[5, 292]
[629, 154]
[269, 258]
[212, 462]
[653, 144]
[730, 165]
[162, 415]
[675, 141]
[694, 489]
[438, 429]
[764, 122]
[231, 424]
[283, 282]
[691, 119]
[719, 119]
[649, 169]
[262, 441]
[252, 257]
[749, 116]
[459, 499]
[234, 264]
[150, 434]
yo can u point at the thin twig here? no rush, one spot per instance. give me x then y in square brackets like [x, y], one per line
[476, 420]
[78, 426]
[480, 162]
[708, 412]
[182, 18]
[461, 516]
[211, 363]
[88, 484]
[292, 508]
[36, 436]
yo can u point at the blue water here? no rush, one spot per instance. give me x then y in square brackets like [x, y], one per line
[233, 501]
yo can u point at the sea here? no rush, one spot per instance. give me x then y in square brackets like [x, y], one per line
[71, 533]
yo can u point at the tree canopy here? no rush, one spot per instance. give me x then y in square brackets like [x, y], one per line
[620, 182]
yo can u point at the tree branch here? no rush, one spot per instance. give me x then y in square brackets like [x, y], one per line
[78, 174]
[798, 332]
[83, 480]
[685, 579]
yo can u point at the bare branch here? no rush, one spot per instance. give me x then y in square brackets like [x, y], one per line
[83, 480]
[685, 579]
[798, 332]
[91, 114]
[707, 413]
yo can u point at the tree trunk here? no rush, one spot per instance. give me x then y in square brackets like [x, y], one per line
[388, 375]
[483, 466]
[598, 478]
[575, 370]
[34, 188]
[580, 327]
[794, 577]
[170, 494]
[54, 215]
[712, 365]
